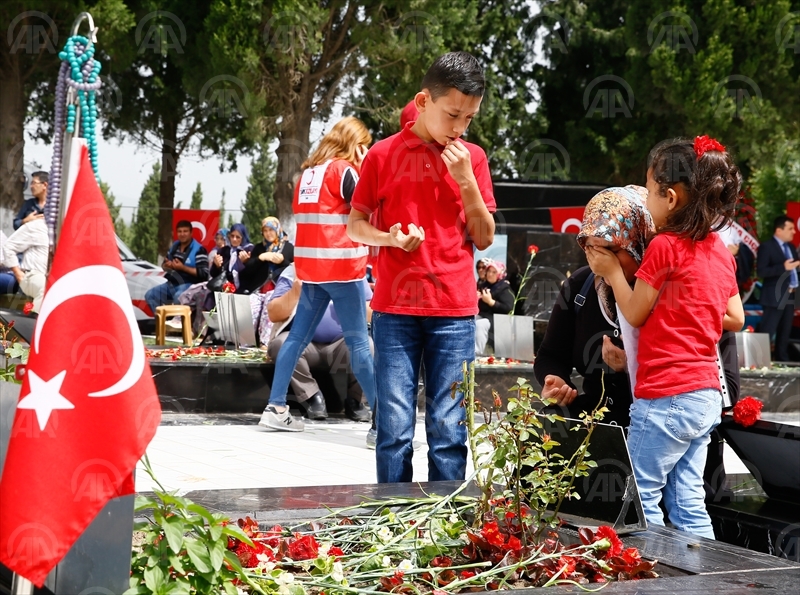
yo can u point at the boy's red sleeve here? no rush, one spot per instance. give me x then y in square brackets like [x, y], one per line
[484, 178]
[657, 262]
[365, 197]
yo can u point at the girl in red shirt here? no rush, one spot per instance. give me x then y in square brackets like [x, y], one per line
[685, 295]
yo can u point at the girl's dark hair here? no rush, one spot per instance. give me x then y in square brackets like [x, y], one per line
[712, 183]
[455, 70]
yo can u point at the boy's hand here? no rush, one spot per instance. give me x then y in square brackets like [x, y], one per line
[408, 242]
[604, 263]
[457, 159]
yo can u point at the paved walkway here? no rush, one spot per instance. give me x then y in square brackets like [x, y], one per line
[208, 452]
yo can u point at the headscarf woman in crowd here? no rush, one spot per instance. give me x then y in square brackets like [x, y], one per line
[480, 270]
[221, 240]
[328, 263]
[494, 297]
[268, 259]
[232, 258]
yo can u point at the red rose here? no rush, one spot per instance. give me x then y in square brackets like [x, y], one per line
[704, 143]
[490, 360]
[248, 555]
[305, 548]
[747, 411]
[27, 308]
[606, 532]
[533, 249]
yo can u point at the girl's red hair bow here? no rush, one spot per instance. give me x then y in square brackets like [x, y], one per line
[706, 143]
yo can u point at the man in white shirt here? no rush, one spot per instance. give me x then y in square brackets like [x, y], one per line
[33, 243]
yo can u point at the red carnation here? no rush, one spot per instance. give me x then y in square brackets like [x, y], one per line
[533, 249]
[27, 308]
[606, 532]
[465, 574]
[228, 287]
[704, 143]
[304, 548]
[747, 411]
[336, 551]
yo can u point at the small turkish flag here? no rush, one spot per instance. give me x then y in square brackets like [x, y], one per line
[88, 405]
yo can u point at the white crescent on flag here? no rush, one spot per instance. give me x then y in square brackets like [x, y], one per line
[201, 227]
[83, 281]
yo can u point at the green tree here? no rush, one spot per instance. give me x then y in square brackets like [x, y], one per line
[37, 30]
[197, 198]
[222, 209]
[144, 236]
[258, 202]
[120, 226]
[181, 102]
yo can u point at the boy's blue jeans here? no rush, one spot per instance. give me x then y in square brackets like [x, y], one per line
[668, 442]
[350, 302]
[402, 343]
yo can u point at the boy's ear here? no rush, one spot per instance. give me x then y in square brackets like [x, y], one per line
[421, 100]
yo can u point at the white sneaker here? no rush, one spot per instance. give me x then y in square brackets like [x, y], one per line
[174, 322]
[280, 421]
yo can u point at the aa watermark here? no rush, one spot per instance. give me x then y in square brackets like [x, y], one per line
[556, 38]
[32, 32]
[287, 32]
[223, 96]
[91, 227]
[736, 96]
[291, 154]
[787, 33]
[15, 161]
[608, 99]
[108, 98]
[156, 31]
[675, 30]
[544, 159]
[787, 543]
[417, 31]
[417, 166]
[417, 287]
[31, 543]
[95, 480]
[97, 353]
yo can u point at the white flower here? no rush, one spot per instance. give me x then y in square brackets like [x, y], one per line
[386, 562]
[323, 549]
[284, 580]
[265, 563]
[405, 565]
[338, 572]
[385, 534]
[453, 518]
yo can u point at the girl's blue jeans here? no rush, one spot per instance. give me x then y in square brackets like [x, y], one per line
[350, 302]
[668, 441]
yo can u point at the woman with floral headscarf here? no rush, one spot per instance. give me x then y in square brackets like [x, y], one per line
[583, 332]
[268, 259]
[494, 297]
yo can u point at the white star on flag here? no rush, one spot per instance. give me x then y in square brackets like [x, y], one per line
[45, 397]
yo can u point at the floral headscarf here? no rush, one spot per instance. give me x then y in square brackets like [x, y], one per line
[223, 231]
[620, 216]
[497, 266]
[274, 224]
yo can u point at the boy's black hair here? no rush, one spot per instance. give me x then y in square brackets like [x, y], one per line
[780, 221]
[42, 176]
[455, 70]
[712, 183]
[183, 224]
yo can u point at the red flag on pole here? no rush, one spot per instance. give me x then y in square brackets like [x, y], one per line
[88, 405]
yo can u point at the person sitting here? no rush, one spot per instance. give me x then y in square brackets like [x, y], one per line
[327, 348]
[220, 240]
[33, 208]
[268, 259]
[33, 243]
[186, 263]
[8, 282]
[494, 297]
[480, 270]
[231, 259]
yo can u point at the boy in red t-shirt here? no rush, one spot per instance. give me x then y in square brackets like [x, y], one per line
[433, 199]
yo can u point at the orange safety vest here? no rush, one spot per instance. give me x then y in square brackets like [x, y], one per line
[323, 252]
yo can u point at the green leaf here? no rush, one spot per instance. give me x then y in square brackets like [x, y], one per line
[177, 563]
[144, 503]
[203, 512]
[154, 578]
[174, 530]
[215, 531]
[230, 589]
[198, 554]
[217, 554]
[235, 531]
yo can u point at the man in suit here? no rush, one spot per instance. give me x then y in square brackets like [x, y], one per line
[777, 266]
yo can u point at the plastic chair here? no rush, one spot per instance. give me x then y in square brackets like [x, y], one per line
[164, 312]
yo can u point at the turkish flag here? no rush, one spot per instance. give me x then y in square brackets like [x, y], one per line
[567, 219]
[88, 405]
[205, 224]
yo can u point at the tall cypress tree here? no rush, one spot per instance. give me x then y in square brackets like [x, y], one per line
[144, 242]
[259, 201]
[197, 198]
[222, 209]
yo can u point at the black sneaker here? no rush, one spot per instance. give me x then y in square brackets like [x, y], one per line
[280, 421]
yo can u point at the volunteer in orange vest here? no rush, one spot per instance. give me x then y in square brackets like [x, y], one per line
[328, 263]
